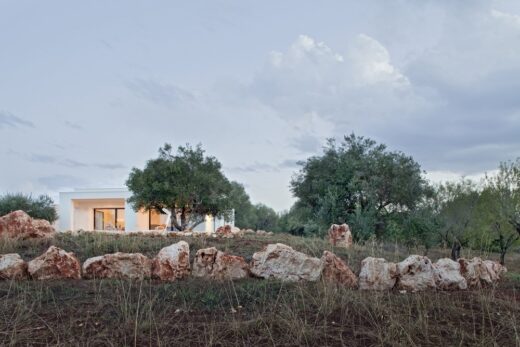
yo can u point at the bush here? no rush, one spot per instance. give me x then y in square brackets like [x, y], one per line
[40, 208]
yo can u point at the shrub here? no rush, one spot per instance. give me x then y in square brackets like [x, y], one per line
[40, 208]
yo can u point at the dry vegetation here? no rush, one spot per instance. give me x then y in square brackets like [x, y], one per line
[247, 312]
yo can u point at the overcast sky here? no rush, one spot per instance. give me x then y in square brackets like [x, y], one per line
[90, 89]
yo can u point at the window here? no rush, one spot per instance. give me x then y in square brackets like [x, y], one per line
[156, 220]
[109, 219]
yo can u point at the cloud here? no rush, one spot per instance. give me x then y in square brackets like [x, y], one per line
[57, 182]
[165, 94]
[73, 125]
[70, 163]
[9, 120]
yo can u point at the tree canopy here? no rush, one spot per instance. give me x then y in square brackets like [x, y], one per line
[359, 182]
[186, 182]
[41, 207]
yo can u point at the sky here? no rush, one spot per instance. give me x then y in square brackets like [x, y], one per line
[90, 89]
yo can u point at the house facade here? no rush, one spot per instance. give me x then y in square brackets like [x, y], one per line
[108, 209]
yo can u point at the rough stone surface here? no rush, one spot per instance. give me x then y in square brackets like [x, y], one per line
[118, 265]
[377, 274]
[19, 224]
[55, 264]
[280, 261]
[12, 267]
[172, 262]
[495, 270]
[214, 264]
[447, 275]
[478, 272]
[415, 273]
[335, 270]
[228, 231]
[340, 235]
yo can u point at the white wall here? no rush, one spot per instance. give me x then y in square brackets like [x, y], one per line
[76, 211]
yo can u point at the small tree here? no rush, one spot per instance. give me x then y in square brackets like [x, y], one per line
[457, 203]
[501, 207]
[188, 183]
[41, 207]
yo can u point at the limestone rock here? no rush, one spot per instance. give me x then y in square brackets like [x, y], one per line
[415, 273]
[377, 274]
[228, 231]
[478, 272]
[280, 261]
[12, 267]
[335, 270]
[55, 264]
[118, 265]
[214, 264]
[340, 235]
[446, 273]
[172, 262]
[19, 224]
[495, 270]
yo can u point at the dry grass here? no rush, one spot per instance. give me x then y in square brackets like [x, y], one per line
[249, 312]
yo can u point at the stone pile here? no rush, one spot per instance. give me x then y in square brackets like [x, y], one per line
[274, 261]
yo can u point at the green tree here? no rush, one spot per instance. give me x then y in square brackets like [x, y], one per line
[359, 182]
[244, 211]
[187, 182]
[41, 207]
[457, 209]
[265, 218]
[500, 207]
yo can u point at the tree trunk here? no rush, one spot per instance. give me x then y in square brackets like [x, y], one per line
[174, 222]
[455, 250]
[503, 257]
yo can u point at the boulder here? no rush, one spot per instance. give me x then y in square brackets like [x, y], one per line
[12, 267]
[214, 264]
[335, 270]
[280, 261]
[415, 273]
[172, 262]
[446, 273]
[261, 232]
[340, 235]
[478, 272]
[118, 265]
[228, 231]
[377, 274]
[55, 264]
[495, 270]
[19, 224]
[249, 231]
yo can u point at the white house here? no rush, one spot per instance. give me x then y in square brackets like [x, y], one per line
[108, 209]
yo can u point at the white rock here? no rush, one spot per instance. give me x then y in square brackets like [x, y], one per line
[415, 273]
[172, 262]
[377, 274]
[447, 275]
[118, 265]
[12, 266]
[280, 261]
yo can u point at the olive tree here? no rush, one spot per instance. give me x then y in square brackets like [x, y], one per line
[188, 183]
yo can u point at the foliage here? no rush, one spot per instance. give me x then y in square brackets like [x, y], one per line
[187, 182]
[244, 212]
[359, 182]
[41, 207]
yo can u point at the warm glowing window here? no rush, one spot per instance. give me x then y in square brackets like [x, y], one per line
[109, 219]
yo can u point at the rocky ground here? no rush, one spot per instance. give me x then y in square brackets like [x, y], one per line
[251, 311]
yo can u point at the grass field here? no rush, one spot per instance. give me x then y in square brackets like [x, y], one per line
[248, 312]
